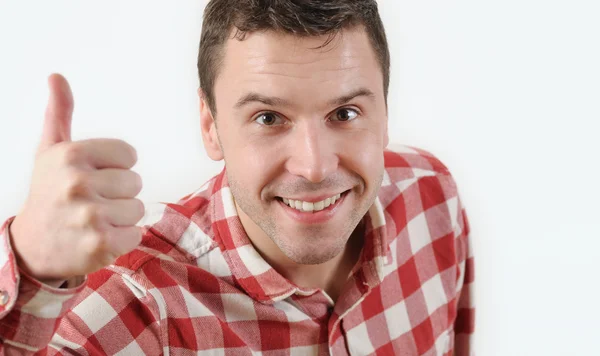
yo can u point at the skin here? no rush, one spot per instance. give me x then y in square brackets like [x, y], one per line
[305, 145]
[81, 211]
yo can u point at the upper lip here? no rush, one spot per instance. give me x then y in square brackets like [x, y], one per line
[315, 198]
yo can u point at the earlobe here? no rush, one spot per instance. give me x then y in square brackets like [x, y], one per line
[209, 130]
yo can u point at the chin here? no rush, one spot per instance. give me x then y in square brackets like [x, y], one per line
[309, 253]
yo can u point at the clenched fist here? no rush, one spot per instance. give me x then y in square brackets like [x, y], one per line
[81, 211]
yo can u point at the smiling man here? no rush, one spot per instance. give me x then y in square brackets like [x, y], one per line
[314, 239]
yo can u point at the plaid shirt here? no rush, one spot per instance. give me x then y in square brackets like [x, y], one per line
[196, 285]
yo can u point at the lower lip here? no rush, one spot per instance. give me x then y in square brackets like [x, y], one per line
[320, 216]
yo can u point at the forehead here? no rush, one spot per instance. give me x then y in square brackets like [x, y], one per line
[295, 67]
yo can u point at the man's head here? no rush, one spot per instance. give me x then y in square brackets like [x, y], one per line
[293, 97]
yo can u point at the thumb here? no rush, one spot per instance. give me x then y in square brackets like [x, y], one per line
[59, 113]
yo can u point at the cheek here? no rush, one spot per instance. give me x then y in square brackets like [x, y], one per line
[252, 162]
[362, 153]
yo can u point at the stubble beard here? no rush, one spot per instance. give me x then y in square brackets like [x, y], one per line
[309, 251]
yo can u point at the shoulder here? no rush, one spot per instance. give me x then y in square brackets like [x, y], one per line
[409, 158]
[417, 183]
[408, 164]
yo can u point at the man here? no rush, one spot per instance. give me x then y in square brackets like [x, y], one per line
[313, 240]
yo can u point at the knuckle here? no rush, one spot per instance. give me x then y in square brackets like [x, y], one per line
[78, 184]
[72, 153]
[91, 216]
[95, 244]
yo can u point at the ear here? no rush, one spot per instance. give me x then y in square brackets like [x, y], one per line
[209, 129]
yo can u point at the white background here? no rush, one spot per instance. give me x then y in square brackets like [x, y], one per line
[506, 93]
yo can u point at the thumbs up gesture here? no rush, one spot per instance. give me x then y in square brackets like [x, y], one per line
[81, 211]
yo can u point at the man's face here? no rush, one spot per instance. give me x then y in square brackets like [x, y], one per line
[301, 125]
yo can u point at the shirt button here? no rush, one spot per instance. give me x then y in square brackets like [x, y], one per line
[3, 298]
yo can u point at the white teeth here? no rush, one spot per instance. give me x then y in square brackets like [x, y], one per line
[310, 207]
[306, 206]
[320, 205]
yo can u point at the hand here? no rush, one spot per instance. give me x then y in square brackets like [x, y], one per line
[81, 211]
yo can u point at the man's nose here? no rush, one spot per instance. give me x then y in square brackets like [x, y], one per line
[312, 153]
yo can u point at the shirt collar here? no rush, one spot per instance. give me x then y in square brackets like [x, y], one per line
[262, 282]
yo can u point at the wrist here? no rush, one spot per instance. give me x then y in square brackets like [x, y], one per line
[22, 265]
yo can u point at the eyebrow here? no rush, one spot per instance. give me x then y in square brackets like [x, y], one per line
[276, 101]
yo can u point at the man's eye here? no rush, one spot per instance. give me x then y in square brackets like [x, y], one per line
[345, 115]
[269, 119]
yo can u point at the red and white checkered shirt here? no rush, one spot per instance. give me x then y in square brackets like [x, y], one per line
[197, 286]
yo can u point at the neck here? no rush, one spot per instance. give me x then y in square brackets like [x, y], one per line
[330, 276]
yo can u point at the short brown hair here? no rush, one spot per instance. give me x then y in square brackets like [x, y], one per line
[297, 17]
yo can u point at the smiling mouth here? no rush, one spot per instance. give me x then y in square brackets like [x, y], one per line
[312, 207]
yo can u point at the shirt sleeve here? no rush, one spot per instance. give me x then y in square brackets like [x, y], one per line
[102, 313]
[464, 325]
